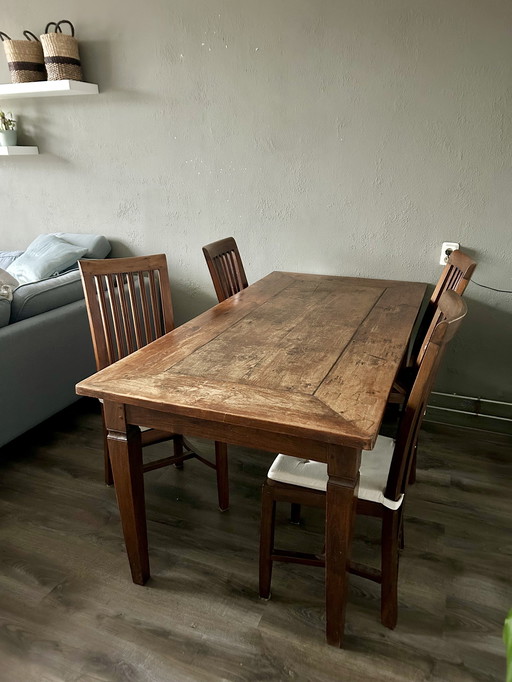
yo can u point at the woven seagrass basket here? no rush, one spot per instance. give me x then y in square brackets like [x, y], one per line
[61, 55]
[25, 58]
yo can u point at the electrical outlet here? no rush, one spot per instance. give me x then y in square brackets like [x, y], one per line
[446, 250]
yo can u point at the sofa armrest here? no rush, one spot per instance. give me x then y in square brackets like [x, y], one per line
[39, 297]
[41, 360]
[5, 312]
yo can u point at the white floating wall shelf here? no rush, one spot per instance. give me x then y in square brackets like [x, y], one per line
[47, 89]
[18, 150]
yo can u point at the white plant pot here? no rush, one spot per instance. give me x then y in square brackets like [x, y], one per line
[8, 138]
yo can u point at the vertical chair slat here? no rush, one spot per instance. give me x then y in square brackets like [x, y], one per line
[223, 276]
[137, 320]
[145, 307]
[236, 268]
[126, 316]
[116, 317]
[155, 307]
[450, 280]
[230, 266]
[106, 319]
[456, 278]
[228, 284]
[166, 300]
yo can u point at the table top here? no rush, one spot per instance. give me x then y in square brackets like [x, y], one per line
[308, 355]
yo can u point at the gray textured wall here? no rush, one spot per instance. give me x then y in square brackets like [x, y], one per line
[332, 136]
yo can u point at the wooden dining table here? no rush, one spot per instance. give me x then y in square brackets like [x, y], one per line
[296, 363]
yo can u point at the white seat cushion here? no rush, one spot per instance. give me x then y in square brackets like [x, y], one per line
[374, 472]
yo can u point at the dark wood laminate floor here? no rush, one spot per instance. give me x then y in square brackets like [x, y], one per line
[69, 612]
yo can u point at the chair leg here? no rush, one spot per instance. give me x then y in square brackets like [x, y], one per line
[107, 467]
[268, 516]
[221, 465]
[295, 513]
[178, 450]
[412, 471]
[401, 533]
[389, 566]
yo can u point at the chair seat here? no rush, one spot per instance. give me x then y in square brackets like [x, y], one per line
[374, 472]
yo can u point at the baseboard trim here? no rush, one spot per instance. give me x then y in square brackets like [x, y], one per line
[476, 413]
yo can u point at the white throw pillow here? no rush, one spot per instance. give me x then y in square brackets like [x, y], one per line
[47, 255]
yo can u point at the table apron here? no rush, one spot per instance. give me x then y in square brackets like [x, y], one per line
[245, 436]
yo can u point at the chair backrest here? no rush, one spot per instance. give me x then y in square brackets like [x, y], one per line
[453, 310]
[455, 277]
[226, 268]
[128, 303]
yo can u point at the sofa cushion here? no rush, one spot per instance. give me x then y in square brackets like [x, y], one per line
[97, 246]
[47, 255]
[38, 297]
[5, 312]
[8, 257]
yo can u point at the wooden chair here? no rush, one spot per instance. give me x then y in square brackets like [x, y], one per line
[129, 305]
[456, 276]
[383, 478]
[226, 268]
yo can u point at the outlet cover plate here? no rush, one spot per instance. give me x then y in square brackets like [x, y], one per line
[446, 250]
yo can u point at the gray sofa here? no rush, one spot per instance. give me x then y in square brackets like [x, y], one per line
[45, 344]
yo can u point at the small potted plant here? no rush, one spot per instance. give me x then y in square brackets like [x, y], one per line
[8, 132]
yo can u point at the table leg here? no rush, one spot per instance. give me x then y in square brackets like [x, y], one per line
[343, 469]
[125, 451]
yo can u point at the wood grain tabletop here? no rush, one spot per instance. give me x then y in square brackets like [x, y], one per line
[308, 355]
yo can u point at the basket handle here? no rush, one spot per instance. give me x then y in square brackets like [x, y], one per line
[65, 21]
[51, 23]
[30, 36]
[4, 36]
